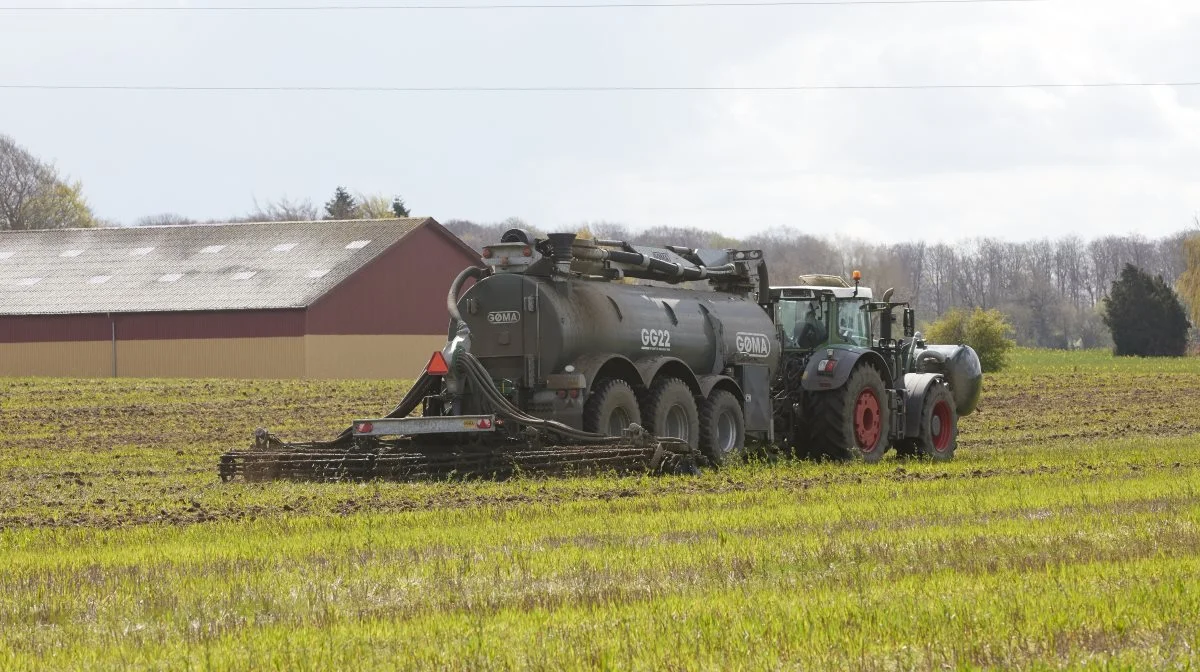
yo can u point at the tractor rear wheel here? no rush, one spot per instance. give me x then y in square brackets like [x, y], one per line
[722, 428]
[938, 437]
[670, 410]
[852, 422]
[611, 407]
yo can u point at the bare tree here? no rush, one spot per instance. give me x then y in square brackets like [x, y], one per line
[284, 210]
[32, 196]
[164, 219]
[609, 231]
[1050, 289]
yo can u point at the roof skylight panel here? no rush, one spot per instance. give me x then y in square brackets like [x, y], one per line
[244, 275]
[140, 251]
[212, 249]
[358, 244]
[170, 277]
[28, 282]
[283, 247]
[71, 253]
[6, 255]
[99, 279]
[317, 272]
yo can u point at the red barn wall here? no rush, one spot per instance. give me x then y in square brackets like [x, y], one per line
[385, 320]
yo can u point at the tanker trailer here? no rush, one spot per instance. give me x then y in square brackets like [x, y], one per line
[554, 362]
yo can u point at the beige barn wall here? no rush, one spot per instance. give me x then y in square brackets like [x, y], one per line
[369, 356]
[279, 357]
[312, 356]
[74, 359]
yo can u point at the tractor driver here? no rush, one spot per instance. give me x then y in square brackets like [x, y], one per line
[810, 332]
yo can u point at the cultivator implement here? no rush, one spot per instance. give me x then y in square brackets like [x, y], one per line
[401, 448]
[408, 459]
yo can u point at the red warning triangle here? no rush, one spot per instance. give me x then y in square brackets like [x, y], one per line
[437, 365]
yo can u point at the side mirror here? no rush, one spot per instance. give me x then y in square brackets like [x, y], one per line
[910, 323]
[887, 296]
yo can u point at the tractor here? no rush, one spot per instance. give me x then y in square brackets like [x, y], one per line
[848, 388]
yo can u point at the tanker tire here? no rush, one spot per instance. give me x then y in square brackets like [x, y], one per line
[609, 400]
[670, 411]
[939, 425]
[841, 418]
[722, 428]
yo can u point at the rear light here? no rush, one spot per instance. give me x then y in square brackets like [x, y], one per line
[826, 366]
[365, 427]
[487, 253]
[484, 424]
[437, 365]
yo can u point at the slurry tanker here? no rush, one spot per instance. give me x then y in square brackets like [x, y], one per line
[572, 355]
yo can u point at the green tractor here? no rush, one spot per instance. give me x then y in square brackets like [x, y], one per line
[848, 388]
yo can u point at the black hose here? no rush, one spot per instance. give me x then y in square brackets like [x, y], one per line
[416, 394]
[505, 408]
[482, 380]
[669, 269]
[455, 287]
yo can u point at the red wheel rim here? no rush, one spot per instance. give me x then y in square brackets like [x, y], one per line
[940, 431]
[867, 425]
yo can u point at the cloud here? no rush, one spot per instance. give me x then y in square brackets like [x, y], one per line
[944, 164]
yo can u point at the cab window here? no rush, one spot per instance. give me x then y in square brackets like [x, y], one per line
[804, 323]
[854, 324]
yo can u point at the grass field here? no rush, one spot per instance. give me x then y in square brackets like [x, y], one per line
[1065, 534]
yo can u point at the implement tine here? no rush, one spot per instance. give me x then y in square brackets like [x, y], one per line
[341, 460]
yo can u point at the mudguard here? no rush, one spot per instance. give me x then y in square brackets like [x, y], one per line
[916, 386]
[591, 365]
[847, 356]
[648, 368]
[707, 383]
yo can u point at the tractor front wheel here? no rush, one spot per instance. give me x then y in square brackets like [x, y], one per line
[939, 425]
[853, 423]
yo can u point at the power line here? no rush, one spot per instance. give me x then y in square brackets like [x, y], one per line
[590, 89]
[615, 5]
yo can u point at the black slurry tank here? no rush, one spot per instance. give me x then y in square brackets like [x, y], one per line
[600, 334]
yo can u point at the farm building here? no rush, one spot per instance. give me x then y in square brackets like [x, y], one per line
[350, 299]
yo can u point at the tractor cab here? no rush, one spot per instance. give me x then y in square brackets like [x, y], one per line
[815, 317]
[825, 311]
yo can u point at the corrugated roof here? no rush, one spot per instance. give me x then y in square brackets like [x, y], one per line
[186, 268]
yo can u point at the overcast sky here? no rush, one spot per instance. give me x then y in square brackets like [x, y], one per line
[895, 165]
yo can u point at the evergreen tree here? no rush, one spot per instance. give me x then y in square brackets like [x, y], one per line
[399, 208]
[341, 206]
[1145, 316]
